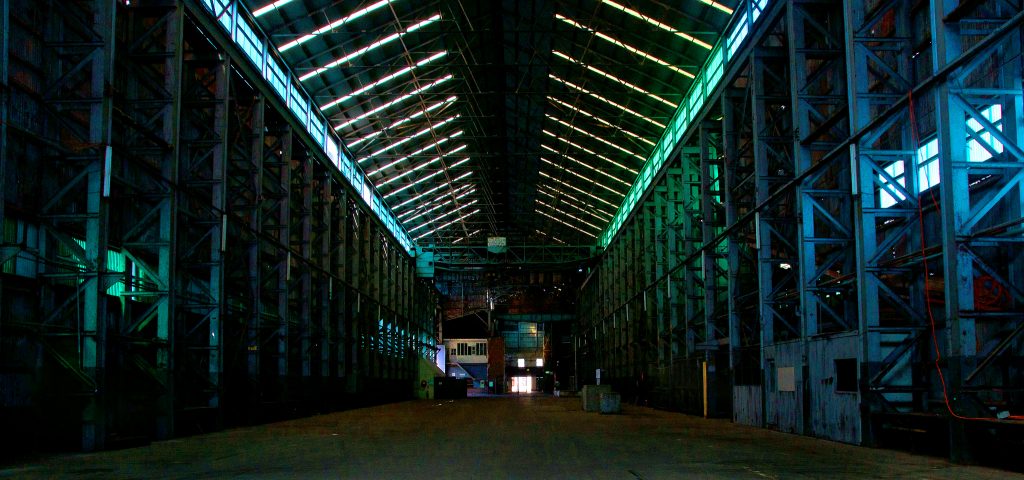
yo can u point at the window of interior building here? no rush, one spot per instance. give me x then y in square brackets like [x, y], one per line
[846, 375]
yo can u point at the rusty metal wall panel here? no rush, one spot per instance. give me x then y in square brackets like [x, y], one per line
[783, 409]
[747, 405]
[835, 414]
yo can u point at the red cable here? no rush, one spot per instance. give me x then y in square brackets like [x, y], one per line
[924, 261]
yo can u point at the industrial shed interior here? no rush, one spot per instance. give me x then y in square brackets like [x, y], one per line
[799, 215]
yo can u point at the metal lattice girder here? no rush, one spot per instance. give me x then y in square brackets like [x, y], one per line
[675, 282]
[711, 219]
[5, 99]
[354, 269]
[980, 205]
[199, 237]
[538, 255]
[323, 332]
[77, 48]
[300, 244]
[338, 242]
[244, 283]
[826, 233]
[879, 73]
[657, 300]
[775, 228]
[164, 214]
[692, 328]
[143, 176]
[739, 196]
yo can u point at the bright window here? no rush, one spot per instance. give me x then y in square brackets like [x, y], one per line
[927, 158]
[250, 43]
[979, 152]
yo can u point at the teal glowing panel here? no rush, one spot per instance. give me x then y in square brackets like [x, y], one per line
[703, 86]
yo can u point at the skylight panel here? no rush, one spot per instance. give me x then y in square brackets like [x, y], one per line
[587, 150]
[421, 166]
[373, 46]
[403, 121]
[630, 49]
[551, 237]
[612, 78]
[585, 165]
[432, 190]
[581, 177]
[442, 227]
[459, 193]
[270, 8]
[595, 137]
[599, 119]
[430, 145]
[574, 187]
[333, 25]
[667, 28]
[563, 193]
[444, 215]
[567, 214]
[410, 138]
[394, 102]
[426, 177]
[460, 239]
[717, 5]
[563, 222]
[576, 207]
[605, 100]
[383, 80]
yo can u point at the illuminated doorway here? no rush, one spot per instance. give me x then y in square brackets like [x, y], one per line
[522, 384]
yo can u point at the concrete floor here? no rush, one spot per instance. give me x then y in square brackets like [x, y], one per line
[507, 437]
